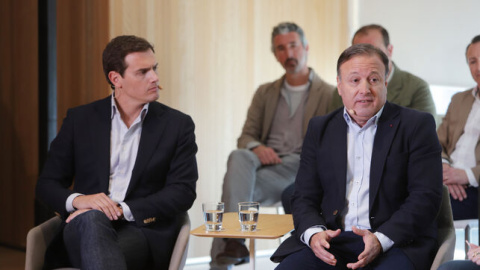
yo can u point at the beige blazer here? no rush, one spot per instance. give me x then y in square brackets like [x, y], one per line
[453, 125]
[262, 109]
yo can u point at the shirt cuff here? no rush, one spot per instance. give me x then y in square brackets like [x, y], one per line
[386, 242]
[471, 178]
[69, 202]
[444, 160]
[252, 145]
[310, 232]
[127, 214]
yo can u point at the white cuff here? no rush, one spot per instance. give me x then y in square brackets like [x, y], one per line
[252, 145]
[127, 214]
[386, 242]
[310, 232]
[69, 202]
[471, 178]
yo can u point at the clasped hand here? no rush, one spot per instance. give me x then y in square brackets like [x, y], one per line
[456, 180]
[473, 253]
[98, 201]
[320, 243]
[267, 155]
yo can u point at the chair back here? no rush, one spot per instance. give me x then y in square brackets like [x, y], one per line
[446, 232]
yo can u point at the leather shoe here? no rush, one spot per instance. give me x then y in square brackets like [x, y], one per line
[235, 252]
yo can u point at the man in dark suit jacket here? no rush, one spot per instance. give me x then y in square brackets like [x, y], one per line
[404, 88]
[369, 184]
[132, 164]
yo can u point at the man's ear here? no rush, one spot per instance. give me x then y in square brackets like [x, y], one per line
[115, 77]
[390, 50]
[338, 86]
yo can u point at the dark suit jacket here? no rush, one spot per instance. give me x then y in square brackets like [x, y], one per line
[163, 180]
[405, 181]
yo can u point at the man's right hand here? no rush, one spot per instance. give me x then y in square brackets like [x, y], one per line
[457, 192]
[266, 155]
[320, 242]
[98, 201]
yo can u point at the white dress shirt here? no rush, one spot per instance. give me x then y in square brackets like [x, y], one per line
[463, 156]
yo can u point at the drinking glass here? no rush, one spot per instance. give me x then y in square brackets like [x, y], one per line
[248, 215]
[213, 215]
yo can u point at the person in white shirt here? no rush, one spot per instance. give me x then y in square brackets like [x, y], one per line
[459, 135]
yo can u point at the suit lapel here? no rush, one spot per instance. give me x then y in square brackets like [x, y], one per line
[386, 130]
[100, 134]
[462, 116]
[152, 128]
[271, 107]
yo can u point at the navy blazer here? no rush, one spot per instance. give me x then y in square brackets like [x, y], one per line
[405, 181]
[163, 181]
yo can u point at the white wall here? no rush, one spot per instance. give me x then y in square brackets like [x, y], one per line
[429, 36]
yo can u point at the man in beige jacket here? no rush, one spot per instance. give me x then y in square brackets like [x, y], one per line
[268, 154]
[459, 136]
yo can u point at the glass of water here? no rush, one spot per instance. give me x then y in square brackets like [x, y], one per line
[248, 215]
[213, 215]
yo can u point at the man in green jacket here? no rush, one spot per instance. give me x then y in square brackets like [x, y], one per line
[404, 88]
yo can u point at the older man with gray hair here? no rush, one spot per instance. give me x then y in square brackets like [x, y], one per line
[268, 153]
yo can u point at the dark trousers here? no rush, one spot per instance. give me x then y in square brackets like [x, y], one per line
[95, 242]
[459, 265]
[468, 208]
[346, 247]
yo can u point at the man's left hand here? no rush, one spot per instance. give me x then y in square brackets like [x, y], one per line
[456, 176]
[373, 248]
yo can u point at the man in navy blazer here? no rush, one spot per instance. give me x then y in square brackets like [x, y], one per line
[132, 164]
[369, 184]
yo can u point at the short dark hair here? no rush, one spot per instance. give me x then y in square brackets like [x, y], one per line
[117, 49]
[474, 40]
[364, 31]
[361, 49]
[287, 27]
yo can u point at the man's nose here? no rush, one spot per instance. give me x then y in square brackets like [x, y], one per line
[290, 52]
[364, 87]
[154, 76]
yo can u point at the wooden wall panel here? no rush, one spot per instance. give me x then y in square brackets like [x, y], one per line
[19, 129]
[82, 33]
[212, 56]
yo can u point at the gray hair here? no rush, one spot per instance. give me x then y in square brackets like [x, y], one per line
[287, 27]
[361, 49]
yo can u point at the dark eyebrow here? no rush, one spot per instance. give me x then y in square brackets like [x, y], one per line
[144, 70]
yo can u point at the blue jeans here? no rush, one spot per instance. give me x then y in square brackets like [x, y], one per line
[94, 242]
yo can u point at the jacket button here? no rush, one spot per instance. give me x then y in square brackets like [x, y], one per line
[335, 212]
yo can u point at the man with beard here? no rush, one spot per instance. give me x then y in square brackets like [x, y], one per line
[268, 154]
